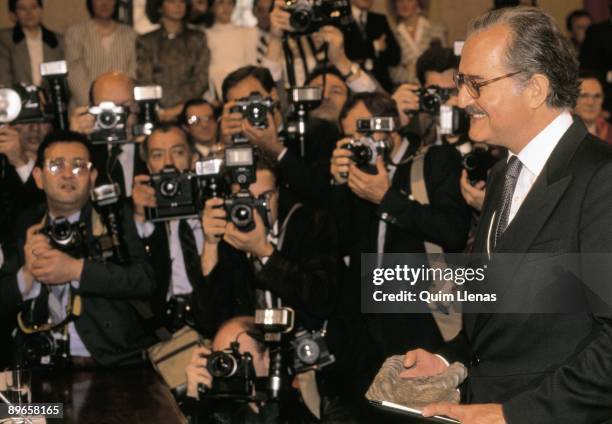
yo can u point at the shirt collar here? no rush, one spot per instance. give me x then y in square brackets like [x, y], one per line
[535, 154]
[357, 13]
[72, 218]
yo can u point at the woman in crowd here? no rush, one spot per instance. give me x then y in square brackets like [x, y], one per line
[231, 46]
[96, 46]
[415, 33]
[174, 56]
[589, 107]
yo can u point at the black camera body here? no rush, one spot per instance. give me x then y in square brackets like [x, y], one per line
[241, 207]
[432, 97]
[240, 162]
[254, 108]
[111, 124]
[148, 98]
[177, 195]
[310, 351]
[178, 312]
[67, 237]
[308, 16]
[55, 77]
[233, 375]
[453, 121]
[210, 173]
[22, 104]
[365, 150]
[45, 349]
[477, 163]
[106, 199]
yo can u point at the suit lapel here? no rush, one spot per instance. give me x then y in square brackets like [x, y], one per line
[545, 194]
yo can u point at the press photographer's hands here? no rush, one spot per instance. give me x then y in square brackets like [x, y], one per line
[197, 372]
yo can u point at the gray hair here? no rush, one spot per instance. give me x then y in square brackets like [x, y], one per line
[536, 46]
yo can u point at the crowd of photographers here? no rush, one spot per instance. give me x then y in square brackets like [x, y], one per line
[242, 218]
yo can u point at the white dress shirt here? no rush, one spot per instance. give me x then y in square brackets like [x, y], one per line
[126, 159]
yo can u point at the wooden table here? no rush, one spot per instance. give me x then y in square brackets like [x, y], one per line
[132, 395]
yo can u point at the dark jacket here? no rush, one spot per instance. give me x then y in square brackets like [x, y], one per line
[109, 326]
[596, 56]
[549, 368]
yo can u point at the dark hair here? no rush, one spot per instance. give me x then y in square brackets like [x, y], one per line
[578, 13]
[267, 163]
[248, 326]
[182, 119]
[536, 46]
[378, 104]
[12, 5]
[437, 59]
[91, 10]
[320, 70]
[262, 75]
[153, 13]
[164, 127]
[61, 136]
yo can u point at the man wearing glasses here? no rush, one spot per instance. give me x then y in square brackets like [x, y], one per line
[199, 120]
[518, 81]
[61, 284]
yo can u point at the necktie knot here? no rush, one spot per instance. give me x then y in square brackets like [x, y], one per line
[513, 167]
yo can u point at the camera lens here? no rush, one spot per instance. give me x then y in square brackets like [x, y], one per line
[61, 232]
[221, 365]
[430, 103]
[241, 215]
[362, 155]
[257, 115]
[300, 19]
[169, 188]
[38, 346]
[107, 119]
[308, 351]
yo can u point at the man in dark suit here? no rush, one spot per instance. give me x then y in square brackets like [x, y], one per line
[518, 80]
[28, 44]
[174, 246]
[376, 212]
[86, 299]
[117, 162]
[369, 41]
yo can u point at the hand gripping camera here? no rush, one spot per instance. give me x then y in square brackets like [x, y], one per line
[307, 16]
[365, 150]
[255, 109]
[67, 237]
[110, 125]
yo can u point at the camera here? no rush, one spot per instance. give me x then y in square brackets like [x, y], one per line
[106, 199]
[233, 375]
[210, 173]
[254, 108]
[67, 237]
[453, 121]
[477, 163]
[240, 164]
[177, 195]
[307, 16]
[178, 312]
[370, 125]
[45, 348]
[432, 97]
[310, 351]
[110, 125]
[365, 150]
[55, 74]
[240, 208]
[147, 98]
[22, 104]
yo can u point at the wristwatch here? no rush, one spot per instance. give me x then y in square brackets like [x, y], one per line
[354, 70]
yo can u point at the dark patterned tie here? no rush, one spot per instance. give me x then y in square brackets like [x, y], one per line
[513, 169]
[190, 252]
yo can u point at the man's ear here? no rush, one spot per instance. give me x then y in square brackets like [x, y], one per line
[37, 175]
[537, 90]
[93, 176]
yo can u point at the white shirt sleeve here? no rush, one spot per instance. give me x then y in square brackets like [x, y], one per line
[34, 292]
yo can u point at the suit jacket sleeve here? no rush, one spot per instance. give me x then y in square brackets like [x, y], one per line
[579, 390]
[446, 220]
[134, 280]
[308, 282]
[392, 55]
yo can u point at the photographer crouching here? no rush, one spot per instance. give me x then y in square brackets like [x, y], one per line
[73, 291]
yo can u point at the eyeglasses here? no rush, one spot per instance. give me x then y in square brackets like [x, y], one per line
[196, 119]
[57, 166]
[473, 86]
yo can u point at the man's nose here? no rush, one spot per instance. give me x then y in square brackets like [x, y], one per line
[463, 98]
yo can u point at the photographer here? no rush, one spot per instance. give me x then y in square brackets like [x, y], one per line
[174, 246]
[28, 44]
[57, 275]
[301, 179]
[376, 211]
[199, 120]
[117, 162]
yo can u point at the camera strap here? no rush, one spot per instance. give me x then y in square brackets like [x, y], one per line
[446, 315]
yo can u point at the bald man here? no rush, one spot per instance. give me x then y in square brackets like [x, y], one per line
[119, 161]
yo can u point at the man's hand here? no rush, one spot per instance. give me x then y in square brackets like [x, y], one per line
[473, 194]
[406, 101]
[421, 363]
[369, 187]
[279, 20]
[254, 242]
[335, 39]
[231, 123]
[143, 196]
[214, 221]
[55, 267]
[82, 121]
[264, 138]
[10, 146]
[341, 161]
[35, 245]
[490, 413]
[197, 372]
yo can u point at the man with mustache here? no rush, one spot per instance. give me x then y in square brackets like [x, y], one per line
[518, 78]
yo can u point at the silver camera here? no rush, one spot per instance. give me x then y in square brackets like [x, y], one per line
[110, 125]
